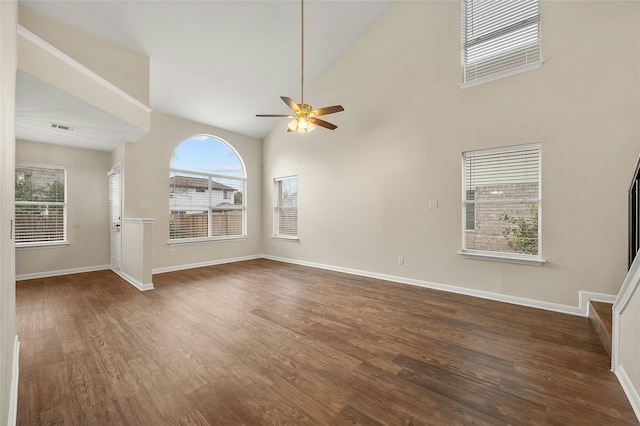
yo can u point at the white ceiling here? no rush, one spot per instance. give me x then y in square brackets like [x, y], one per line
[40, 105]
[222, 62]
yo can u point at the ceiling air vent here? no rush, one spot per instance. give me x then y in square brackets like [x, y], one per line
[63, 127]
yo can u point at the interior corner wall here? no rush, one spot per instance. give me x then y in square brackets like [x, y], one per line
[8, 66]
[146, 191]
[364, 188]
[127, 70]
[87, 210]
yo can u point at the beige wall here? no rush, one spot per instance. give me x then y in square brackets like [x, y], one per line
[8, 18]
[146, 180]
[364, 188]
[125, 69]
[87, 210]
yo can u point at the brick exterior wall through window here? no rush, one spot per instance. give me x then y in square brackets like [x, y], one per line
[489, 217]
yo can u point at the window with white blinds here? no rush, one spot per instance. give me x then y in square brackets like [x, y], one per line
[286, 209]
[41, 205]
[207, 191]
[501, 200]
[114, 196]
[500, 38]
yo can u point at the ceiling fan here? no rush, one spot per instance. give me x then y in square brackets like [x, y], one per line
[305, 118]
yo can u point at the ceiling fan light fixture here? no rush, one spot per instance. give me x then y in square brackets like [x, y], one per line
[304, 116]
[301, 125]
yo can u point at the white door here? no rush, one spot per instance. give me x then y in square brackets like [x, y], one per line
[114, 217]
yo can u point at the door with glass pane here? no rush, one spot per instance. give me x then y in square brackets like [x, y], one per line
[115, 217]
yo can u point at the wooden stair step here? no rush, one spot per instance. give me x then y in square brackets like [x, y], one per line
[601, 316]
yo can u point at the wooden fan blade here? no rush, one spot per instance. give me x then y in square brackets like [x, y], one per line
[327, 110]
[323, 123]
[294, 106]
[289, 130]
[274, 115]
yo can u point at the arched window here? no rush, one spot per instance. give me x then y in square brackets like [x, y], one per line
[207, 187]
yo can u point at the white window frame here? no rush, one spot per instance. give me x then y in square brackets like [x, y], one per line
[45, 244]
[499, 256]
[277, 207]
[211, 208]
[512, 51]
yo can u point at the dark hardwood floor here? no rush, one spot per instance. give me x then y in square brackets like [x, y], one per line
[262, 342]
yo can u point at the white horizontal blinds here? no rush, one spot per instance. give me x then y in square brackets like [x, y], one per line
[499, 35]
[40, 204]
[287, 207]
[188, 205]
[502, 197]
[501, 168]
[114, 197]
[205, 205]
[227, 206]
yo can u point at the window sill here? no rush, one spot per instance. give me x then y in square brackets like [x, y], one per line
[187, 241]
[35, 246]
[285, 237]
[503, 257]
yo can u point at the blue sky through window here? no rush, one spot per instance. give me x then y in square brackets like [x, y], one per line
[203, 153]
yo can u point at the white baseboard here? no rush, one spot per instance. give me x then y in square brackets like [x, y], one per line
[555, 307]
[208, 263]
[629, 390]
[47, 274]
[137, 284]
[589, 296]
[13, 396]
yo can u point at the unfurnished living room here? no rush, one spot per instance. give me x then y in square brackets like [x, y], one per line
[319, 212]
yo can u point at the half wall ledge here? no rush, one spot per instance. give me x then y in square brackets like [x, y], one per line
[136, 252]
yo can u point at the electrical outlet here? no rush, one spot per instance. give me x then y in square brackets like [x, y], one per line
[401, 260]
[172, 252]
[433, 204]
[143, 205]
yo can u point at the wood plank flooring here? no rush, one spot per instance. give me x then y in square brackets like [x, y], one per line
[262, 343]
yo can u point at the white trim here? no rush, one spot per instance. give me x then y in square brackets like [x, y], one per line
[42, 245]
[500, 75]
[521, 301]
[28, 35]
[629, 390]
[502, 257]
[57, 273]
[115, 169]
[26, 164]
[137, 284]
[202, 264]
[187, 241]
[285, 237]
[502, 149]
[589, 296]
[143, 220]
[278, 179]
[13, 396]
[213, 175]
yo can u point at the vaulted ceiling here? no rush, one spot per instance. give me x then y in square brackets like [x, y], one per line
[221, 62]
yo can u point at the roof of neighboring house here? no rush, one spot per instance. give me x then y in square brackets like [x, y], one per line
[185, 182]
